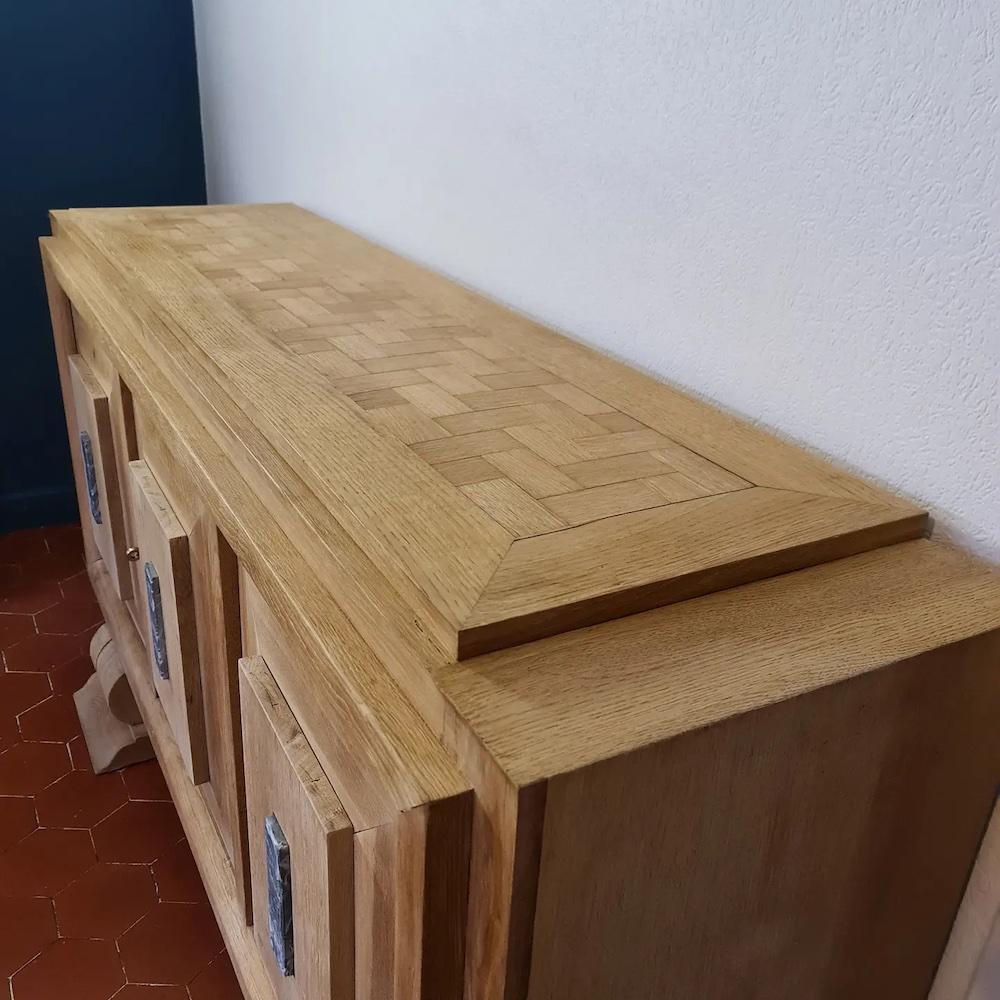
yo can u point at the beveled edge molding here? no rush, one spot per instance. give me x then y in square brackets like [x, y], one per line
[601, 571]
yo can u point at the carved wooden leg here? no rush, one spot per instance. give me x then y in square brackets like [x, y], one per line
[111, 722]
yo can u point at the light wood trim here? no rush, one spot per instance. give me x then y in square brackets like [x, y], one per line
[163, 542]
[64, 339]
[560, 703]
[93, 414]
[286, 780]
[559, 581]
[199, 827]
[215, 574]
[341, 695]
[425, 536]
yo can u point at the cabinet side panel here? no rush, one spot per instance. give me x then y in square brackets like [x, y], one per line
[64, 340]
[818, 847]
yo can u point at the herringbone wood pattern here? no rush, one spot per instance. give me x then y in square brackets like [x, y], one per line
[534, 451]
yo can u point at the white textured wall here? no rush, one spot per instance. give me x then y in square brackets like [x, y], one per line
[788, 206]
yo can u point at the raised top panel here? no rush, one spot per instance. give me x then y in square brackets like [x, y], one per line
[509, 482]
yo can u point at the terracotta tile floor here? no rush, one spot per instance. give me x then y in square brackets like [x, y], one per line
[99, 893]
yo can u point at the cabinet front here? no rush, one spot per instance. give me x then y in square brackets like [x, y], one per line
[301, 850]
[102, 517]
[163, 554]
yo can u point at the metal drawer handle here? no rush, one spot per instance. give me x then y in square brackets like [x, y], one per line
[279, 896]
[91, 475]
[156, 631]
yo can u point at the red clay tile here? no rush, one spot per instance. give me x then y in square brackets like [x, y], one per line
[217, 982]
[53, 720]
[105, 902]
[78, 587]
[176, 876]
[22, 546]
[171, 944]
[80, 800]
[80, 755]
[69, 616]
[17, 819]
[9, 733]
[28, 767]
[67, 535]
[45, 862]
[81, 970]
[53, 567]
[26, 927]
[41, 652]
[139, 832]
[31, 598]
[14, 628]
[70, 677]
[134, 991]
[18, 692]
[146, 782]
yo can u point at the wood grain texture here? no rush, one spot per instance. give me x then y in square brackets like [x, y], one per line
[93, 416]
[163, 544]
[339, 691]
[215, 575]
[286, 781]
[412, 869]
[560, 703]
[199, 827]
[64, 342]
[816, 848]
[254, 289]
[972, 959]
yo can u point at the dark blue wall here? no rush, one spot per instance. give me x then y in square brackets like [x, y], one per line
[98, 106]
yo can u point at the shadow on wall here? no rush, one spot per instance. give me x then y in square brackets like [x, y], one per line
[98, 106]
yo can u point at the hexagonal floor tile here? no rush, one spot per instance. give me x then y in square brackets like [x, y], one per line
[14, 628]
[83, 970]
[17, 819]
[41, 652]
[69, 616]
[45, 862]
[27, 768]
[80, 755]
[145, 782]
[176, 876]
[137, 991]
[105, 901]
[31, 598]
[26, 927]
[53, 720]
[70, 677]
[139, 832]
[56, 566]
[19, 692]
[171, 944]
[217, 982]
[80, 799]
[77, 587]
[22, 546]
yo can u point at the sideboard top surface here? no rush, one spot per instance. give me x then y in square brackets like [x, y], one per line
[508, 482]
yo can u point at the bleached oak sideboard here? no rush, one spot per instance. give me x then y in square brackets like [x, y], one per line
[481, 665]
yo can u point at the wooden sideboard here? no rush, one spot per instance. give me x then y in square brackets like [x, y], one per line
[482, 665]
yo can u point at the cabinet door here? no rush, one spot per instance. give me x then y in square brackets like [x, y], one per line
[103, 520]
[301, 850]
[169, 614]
